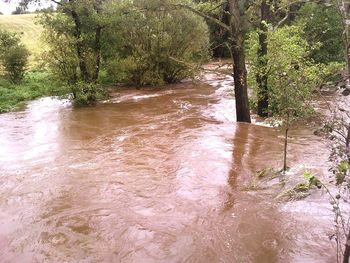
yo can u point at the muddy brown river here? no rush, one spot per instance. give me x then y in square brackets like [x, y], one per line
[155, 176]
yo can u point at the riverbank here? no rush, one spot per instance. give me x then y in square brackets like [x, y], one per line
[35, 85]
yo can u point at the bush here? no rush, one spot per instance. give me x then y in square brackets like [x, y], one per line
[87, 93]
[15, 61]
[13, 56]
[159, 44]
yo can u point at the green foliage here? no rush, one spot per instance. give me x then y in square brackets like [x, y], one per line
[61, 58]
[157, 44]
[8, 40]
[219, 37]
[342, 173]
[291, 76]
[73, 38]
[87, 93]
[13, 56]
[35, 84]
[15, 61]
[312, 180]
[322, 29]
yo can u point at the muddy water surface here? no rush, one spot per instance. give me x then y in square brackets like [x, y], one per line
[154, 176]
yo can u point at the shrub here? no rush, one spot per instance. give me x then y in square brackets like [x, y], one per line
[87, 93]
[13, 56]
[15, 61]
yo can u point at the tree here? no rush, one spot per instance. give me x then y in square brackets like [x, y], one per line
[234, 23]
[20, 10]
[218, 35]
[87, 26]
[262, 74]
[74, 36]
[239, 16]
[343, 8]
[268, 15]
[51, 8]
[323, 30]
[154, 44]
[292, 77]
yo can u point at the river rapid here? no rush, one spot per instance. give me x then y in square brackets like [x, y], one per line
[155, 175]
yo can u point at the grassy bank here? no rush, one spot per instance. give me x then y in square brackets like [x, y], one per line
[36, 84]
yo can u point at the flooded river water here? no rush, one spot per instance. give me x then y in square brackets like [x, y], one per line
[154, 176]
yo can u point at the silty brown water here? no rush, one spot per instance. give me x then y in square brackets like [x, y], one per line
[153, 176]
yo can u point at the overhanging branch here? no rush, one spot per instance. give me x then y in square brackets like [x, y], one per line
[210, 18]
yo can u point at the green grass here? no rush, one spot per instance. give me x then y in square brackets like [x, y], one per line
[30, 33]
[36, 84]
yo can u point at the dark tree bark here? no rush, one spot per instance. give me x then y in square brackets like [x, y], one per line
[240, 81]
[262, 75]
[234, 26]
[239, 67]
[98, 33]
[285, 149]
[97, 53]
[347, 250]
[79, 46]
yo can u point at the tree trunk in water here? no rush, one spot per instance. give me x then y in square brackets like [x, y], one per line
[285, 150]
[240, 82]
[261, 76]
[348, 64]
[239, 68]
[347, 249]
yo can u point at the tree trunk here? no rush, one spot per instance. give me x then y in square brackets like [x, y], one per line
[240, 82]
[261, 76]
[97, 54]
[285, 149]
[344, 9]
[79, 46]
[347, 249]
[239, 68]
[98, 32]
[348, 64]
